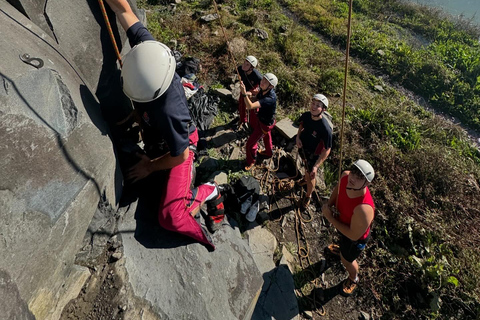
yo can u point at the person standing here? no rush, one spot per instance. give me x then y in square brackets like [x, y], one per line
[150, 81]
[314, 140]
[355, 207]
[251, 78]
[266, 101]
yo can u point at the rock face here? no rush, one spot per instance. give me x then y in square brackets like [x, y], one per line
[58, 165]
[11, 304]
[57, 162]
[182, 280]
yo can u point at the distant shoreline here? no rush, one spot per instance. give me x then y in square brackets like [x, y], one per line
[466, 10]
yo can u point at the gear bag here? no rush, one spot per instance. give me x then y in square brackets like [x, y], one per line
[246, 187]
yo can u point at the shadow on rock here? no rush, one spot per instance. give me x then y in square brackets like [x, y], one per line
[319, 297]
[277, 298]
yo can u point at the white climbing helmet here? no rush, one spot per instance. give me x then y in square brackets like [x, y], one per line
[365, 168]
[271, 78]
[252, 60]
[148, 69]
[322, 99]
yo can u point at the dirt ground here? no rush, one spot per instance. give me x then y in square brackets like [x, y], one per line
[318, 274]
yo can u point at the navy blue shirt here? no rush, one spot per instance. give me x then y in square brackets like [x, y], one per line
[268, 107]
[316, 135]
[166, 121]
[250, 80]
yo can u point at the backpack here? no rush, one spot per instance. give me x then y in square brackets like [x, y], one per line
[245, 187]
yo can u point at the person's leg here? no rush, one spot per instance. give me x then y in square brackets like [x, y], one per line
[310, 184]
[178, 201]
[267, 138]
[253, 121]
[349, 252]
[309, 163]
[242, 111]
[351, 267]
[251, 147]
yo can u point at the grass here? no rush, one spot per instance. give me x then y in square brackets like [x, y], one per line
[423, 259]
[419, 48]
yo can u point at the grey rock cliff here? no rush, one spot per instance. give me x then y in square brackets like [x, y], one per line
[58, 163]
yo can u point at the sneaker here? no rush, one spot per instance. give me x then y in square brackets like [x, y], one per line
[252, 213]
[349, 286]
[216, 214]
[214, 223]
[264, 154]
[249, 167]
[246, 205]
[334, 249]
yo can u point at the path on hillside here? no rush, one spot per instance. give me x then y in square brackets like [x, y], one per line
[472, 134]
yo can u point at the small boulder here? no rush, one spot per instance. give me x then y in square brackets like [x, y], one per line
[209, 17]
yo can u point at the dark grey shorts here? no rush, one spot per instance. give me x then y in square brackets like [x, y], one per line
[351, 249]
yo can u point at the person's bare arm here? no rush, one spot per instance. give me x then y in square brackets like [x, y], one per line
[297, 140]
[361, 220]
[124, 13]
[249, 105]
[323, 156]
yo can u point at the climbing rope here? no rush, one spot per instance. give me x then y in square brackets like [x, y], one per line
[230, 51]
[226, 39]
[110, 31]
[344, 98]
[285, 187]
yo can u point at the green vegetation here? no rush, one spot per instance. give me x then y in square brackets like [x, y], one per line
[423, 261]
[417, 47]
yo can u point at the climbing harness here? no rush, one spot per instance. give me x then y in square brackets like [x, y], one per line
[34, 62]
[110, 31]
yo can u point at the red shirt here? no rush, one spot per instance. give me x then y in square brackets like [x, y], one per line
[347, 205]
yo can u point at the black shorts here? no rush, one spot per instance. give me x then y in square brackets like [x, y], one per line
[310, 159]
[351, 249]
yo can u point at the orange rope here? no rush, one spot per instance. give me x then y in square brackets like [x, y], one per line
[110, 32]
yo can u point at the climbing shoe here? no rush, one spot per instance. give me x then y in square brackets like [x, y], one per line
[216, 213]
[349, 286]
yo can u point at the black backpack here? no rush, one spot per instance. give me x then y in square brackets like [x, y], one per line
[245, 187]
